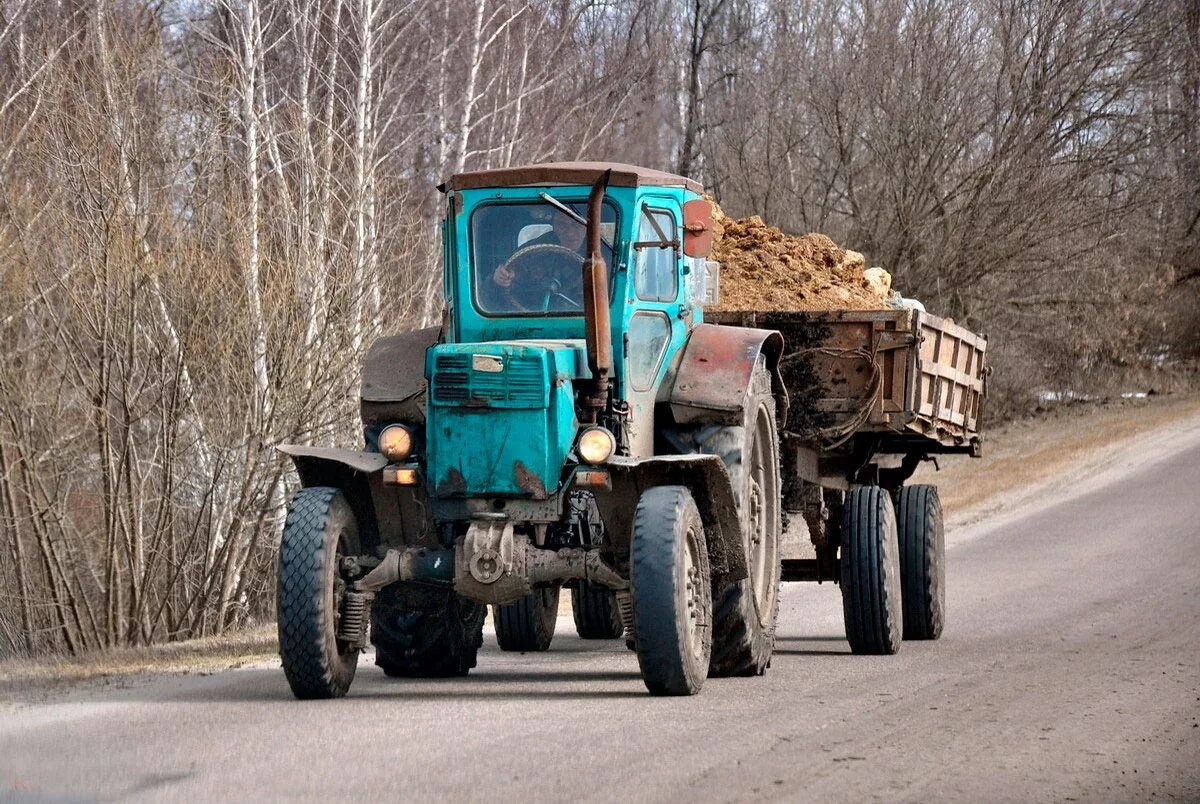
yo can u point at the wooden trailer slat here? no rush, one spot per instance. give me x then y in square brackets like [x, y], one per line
[929, 371]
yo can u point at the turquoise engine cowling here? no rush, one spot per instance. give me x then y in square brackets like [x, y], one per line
[501, 416]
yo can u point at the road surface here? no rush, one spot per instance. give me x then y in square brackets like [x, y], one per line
[1069, 670]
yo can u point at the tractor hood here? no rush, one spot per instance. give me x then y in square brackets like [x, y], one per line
[501, 416]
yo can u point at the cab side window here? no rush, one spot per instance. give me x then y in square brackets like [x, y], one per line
[656, 278]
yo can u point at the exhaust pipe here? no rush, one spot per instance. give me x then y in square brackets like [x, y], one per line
[597, 323]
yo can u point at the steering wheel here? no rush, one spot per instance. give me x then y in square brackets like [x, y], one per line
[535, 272]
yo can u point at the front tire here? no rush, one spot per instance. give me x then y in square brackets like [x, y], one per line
[672, 592]
[320, 530]
[528, 624]
[922, 561]
[870, 567]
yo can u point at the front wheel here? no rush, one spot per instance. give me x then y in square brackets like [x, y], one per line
[528, 624]
[672, 592]
[319, 531]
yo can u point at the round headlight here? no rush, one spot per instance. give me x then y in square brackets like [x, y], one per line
[396, 442]
[596, 445]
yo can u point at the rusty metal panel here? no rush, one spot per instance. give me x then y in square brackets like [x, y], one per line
[568, 173]
[903, 374]
[714, 373]
[698, 228]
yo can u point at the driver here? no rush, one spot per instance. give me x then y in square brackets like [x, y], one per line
[549, 268]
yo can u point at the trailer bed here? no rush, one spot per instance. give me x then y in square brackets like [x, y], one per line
[908, 380]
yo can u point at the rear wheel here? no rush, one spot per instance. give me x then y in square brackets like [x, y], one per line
[744, 612]
[425, 633]
[528, 624]
[672, 592]
[870, 569]
[320, 530]
[922, 561]
[596, 613]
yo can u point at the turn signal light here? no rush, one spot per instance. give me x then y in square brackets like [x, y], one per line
[400, 476]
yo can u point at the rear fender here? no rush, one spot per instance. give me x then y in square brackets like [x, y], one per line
[715, 370]
[707, 479]
[393, 378]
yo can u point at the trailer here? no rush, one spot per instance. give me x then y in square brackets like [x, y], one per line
[873, 393]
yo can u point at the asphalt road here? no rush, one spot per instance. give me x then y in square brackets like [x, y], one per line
[1069, 670]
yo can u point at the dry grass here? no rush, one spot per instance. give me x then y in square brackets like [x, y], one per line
[207, 655]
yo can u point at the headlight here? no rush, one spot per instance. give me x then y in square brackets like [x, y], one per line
[596, 445]
[396, 442]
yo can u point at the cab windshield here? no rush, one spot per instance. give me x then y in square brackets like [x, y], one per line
[527, 257]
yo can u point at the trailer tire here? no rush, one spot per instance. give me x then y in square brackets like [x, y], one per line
[672, 592]
[922, 561]
[425, 633]
[595, 611]
[870, 570]
[527, 625]
[319, 530]
[745, 612]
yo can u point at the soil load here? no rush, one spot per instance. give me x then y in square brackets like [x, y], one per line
[762, 268]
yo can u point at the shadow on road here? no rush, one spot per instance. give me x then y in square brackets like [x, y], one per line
[263, 685]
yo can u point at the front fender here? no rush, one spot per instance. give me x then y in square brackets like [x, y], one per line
[707, 479]
[359, 475]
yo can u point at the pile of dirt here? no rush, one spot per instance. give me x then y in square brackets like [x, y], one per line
[764, 269]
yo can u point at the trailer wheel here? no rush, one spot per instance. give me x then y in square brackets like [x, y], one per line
[425, 633]
[672, 592]
[922, 561]
[596, 613]
[744, 612]
[528, 624]
[870, 568]
[320, 530]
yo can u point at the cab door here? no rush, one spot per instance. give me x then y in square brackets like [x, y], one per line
[656, 328]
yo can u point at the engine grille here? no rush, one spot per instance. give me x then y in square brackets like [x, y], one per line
[520, 383]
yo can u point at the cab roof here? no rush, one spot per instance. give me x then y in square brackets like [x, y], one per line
[550, 173]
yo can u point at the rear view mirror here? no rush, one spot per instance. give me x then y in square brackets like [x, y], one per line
[697, 228]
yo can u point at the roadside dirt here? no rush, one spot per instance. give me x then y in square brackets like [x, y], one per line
[36, 678]
[1037, 455]
[764, 268]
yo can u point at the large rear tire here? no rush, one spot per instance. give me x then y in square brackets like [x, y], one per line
[745, 612]
[870, 568]
[596, 613]
[528, 624]
[672, 592]
[425, 633]
[922, 561]
[320, 530]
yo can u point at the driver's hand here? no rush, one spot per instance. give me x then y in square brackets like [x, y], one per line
[503, 277]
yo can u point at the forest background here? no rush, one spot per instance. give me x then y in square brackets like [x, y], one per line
[209, 208]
